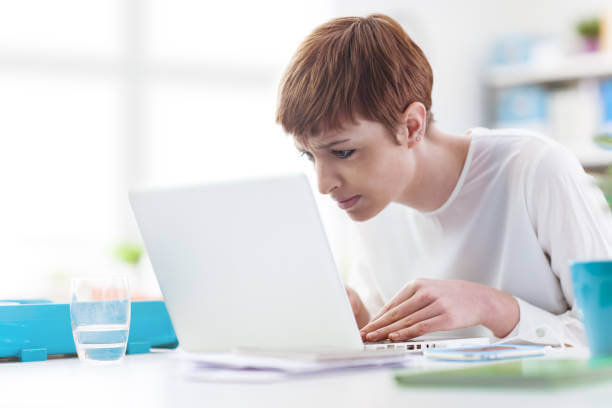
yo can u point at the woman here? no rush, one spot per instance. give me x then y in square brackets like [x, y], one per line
[494, 215]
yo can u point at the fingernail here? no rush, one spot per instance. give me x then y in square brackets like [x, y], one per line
[393, 336]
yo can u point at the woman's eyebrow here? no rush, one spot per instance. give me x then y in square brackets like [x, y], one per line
[328, 145]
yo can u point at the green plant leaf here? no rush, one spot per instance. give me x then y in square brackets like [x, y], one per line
[128, 252]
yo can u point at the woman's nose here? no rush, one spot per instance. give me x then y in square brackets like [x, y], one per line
[327, 179]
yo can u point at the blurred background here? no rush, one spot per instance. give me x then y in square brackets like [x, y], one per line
[100, 96]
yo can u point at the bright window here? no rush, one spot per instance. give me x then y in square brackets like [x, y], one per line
[100, 96]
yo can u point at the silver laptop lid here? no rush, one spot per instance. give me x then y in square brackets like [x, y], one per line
[246, 265]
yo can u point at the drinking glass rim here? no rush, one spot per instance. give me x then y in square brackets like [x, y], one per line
[100, 278]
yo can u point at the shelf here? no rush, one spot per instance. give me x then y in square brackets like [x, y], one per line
[571, 68]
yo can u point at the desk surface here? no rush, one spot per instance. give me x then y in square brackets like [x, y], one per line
[155, 380]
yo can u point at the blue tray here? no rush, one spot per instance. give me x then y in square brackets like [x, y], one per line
[32, 330]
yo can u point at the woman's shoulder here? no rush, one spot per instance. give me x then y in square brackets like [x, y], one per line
[537, 161]
[520, 146]
[506, 137]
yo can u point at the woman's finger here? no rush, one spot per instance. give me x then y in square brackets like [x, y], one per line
[404, 294]
[437, 323]
[352, 299]
[410, 306]
[429, 311]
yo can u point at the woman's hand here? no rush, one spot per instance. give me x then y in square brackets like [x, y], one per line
[362, 316]
[427, 305]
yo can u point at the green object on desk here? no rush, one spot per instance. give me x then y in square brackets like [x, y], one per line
[528, 373]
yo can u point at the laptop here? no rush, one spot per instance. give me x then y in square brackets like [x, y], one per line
[247, 265]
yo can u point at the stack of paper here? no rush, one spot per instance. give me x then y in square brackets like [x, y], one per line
[261, 366]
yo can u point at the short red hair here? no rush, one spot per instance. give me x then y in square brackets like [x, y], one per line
[366, 66]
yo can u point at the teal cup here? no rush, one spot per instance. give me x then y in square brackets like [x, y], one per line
[592, 283]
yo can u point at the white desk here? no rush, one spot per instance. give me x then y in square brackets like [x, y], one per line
[154, 380]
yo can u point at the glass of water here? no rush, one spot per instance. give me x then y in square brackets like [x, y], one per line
[100, 318]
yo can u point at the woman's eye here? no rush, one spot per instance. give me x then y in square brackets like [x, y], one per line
[343, 154]
[308, 155]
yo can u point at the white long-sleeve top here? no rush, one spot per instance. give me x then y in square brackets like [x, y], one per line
[521, 210]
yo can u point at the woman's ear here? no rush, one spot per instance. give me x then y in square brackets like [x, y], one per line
[413, 124]
[402, 134]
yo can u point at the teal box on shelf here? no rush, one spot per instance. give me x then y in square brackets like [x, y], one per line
[522, 104]
[32, 330]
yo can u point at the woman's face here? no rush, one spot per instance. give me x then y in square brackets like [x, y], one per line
[362, 167]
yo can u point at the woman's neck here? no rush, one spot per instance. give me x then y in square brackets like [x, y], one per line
[438, 161]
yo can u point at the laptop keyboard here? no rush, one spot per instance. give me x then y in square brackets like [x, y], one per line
[399, 346]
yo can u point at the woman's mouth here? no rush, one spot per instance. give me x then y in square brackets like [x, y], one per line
[349, 202]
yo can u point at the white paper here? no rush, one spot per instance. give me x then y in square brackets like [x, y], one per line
[262, 368]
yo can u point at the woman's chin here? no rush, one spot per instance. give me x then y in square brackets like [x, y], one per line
[363, 212]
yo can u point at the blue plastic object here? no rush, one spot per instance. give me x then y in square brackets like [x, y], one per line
[606, 100]
[33, 330]
[592, 282]
[513, 49]
[522, 104]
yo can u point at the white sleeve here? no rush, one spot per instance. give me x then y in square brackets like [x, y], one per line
[572, 221]
[537, 326]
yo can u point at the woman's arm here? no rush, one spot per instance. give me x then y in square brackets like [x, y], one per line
[572, 221]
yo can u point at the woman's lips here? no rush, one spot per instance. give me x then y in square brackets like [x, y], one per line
[348, 203]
